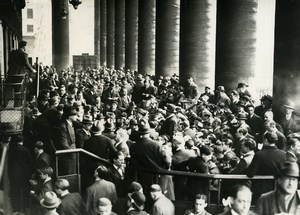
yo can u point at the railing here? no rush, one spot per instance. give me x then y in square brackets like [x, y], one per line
[76, 177]
[218, 177]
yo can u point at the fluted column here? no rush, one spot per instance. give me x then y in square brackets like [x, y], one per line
[287, 52]
[197, 41]
[120, 34]
[103, 32]
[131, 34]
[2, 45]
[236, 42]
[167, 37]
[97, 10]
[111, 33]
[60, 32]
[146, 38]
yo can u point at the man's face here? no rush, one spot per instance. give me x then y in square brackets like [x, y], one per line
[297, 148]
[250, 110]
[288, 184]
[241, 204]
[288, 111]
[200, 205]
[120, 161]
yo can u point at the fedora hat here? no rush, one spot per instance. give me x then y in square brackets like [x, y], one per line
[87, 119]
[70, 111]
[50, 200]
[97, 128]
[144, 127]
[289, 169]
[290, 105]
[138, 199]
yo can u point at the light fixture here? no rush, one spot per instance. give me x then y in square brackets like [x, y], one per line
[75, 3]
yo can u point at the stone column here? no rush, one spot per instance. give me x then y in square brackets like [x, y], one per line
[111, 33]
[167, 37]
[146, 38]
[97, 15]
[235, 42]
[286, 53]
[60, 32]
[103, 32]
[131, 34]
[197, 42]
[120, 34]
[2, 45]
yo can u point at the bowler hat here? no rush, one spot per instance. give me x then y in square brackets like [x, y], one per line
[50, 200]
[22, 43]
[70, 111]
[138, 199]
[290, 105]
[289, 169]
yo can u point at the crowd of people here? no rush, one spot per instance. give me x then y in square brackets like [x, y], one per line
[134, 120]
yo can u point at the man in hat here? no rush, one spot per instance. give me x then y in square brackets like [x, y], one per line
[83, 134]
[66, 140]
[18, 62]
[170, 125]
[136, 204]
[50, 202]
[285, 199]
[147, 153]
[290, 122]
[162, 205]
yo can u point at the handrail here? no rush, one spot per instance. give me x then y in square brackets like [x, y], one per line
[3, 160]
[205, 175]
[69, 151]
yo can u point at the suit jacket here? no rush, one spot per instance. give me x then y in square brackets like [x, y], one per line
[191, 91]
[147, 153]
[228, 212]
[180, 156]
[81, 137]
[273, 203]
[268, 161]
[169, 127]
[192, 211]
[162, 206]
[290, 126]
[43, 160]
[135, 212]
[66, 136]
[71, 204]
[101, 146]
[18, 62]
[101, 188]
[256, 124]
[116, 178]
